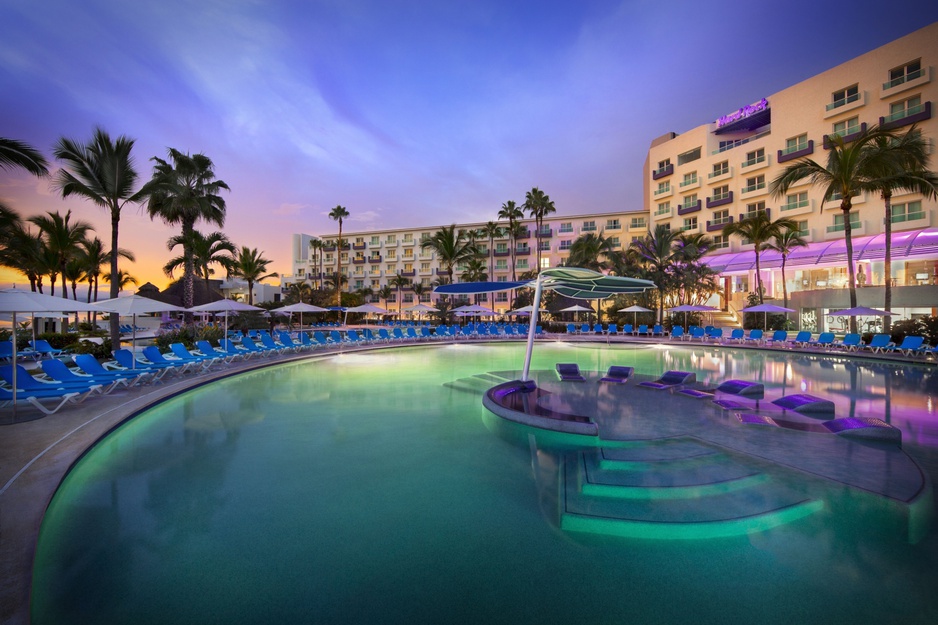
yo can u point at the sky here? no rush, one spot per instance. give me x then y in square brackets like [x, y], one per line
[407, 112]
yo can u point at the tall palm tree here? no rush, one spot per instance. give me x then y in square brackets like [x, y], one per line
[186, 191]
[124, 279]
[899, 163]
[513, 214]
[691, 246]
[316, 245]
[22, 251]
[785, 243]
[538, 205]
[250, 265]
[491, 231]
[339, 213]
[102, 171]
[63, 238]
[451, 248]
[474, 271]
[759, 229]
[399, 281]
[591, 251]
[299, 292]
[851, 168]
[385, 293]
[205, 250]
[419, 291]
[656, 252]
[15, 153]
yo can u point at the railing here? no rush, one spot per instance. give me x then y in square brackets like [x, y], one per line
[794, 205]
[753, 187]
[661, 172]
[794, 148]
[754, 161]
[912, 110]
[844, 101]
[736, 144]
[895, 82]
[689, 182]
[663, 211]
[840, 227]
[663, 190]
[898, 219]
[719, 173]
[716, 197]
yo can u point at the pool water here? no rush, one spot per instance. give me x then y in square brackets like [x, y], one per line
[367, 488]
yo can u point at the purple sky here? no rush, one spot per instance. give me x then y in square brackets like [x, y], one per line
[406, 112]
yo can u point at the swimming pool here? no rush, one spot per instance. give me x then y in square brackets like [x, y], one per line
[367, 488]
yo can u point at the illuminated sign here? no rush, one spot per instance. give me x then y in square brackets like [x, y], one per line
[746, 111]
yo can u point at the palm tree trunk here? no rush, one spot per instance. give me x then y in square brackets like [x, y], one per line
[759, 288]
[851, 270]
[784, 285]
[251, 292]
[115, 277]
[338, 263]
[64, 282]
[887, 261]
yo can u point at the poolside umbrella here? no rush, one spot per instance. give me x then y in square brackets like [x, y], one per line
[21, 301]
[686, 308]
[634, 310]
[768, 308]
[368, 308]
[225, 306]
[421, 308]
[862, 311]
[302, 307]
[576, 308]
[133, 305]
[525, 310]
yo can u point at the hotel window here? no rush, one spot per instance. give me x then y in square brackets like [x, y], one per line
[545, 263]
[425, 236]
[425, 282]
[689, 179]
[328, 259]
[802, 228]
[376, 240]
[691, 200]
[847, 127]
[754, 209]
[408, 267]
[721, 217]
[501, 297]
[907, 212]
[613, 224]
[359, 270]
[359, 284]
[721, 241]
[899, 110]
[501, 264]
[392, 254]
[614, 241]
[408, 298]
[424, 266]
[839, 222]
[687, 157]
[795, 200]
[522, 263]
[754, 157]
[565, 245]
[408, 238]
[409, 253]
[720, 169]
[662, 165]
[544, 246]
[754, 184]
[690, 223]
[637, 222]
[392, 268]
[667, 227]
[391, 238]
[663, 187]
[664, 208]
[359, 240]
[900, 75]
[566, 226]
[588, 226]
[720, 193]
[844, 96]
[794, 144]
[344, 257]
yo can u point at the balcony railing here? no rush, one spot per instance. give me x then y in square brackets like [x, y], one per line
[911, 115]
[753, 187]
[689, 182]
[358, 261]
[661, 172]
[663, 190]
[754, 161]
[523, 235]
[720, 199]
[854, 225]
[499, 253]
[850, 135]
[545, 233]
[853, 97]
[736, 144]
[409, 274]
[359, 246]
[522, 251]
[374, 259]
[793, 205]
[796, 151]
[716, 174]
[895, 82]
[684, 209]
[717, 224]
[913, 216]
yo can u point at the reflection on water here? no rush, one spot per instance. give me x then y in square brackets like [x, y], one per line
[366, 488]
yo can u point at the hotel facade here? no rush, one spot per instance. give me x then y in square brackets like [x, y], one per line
[718, 173]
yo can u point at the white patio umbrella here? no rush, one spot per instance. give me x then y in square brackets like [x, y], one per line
[421, 308]
[576, 309]
[525, 310]
[225, 306]
[302, 307]
[767, 308]
[862, 311]
[686, 308]
[634, 310]
[367, 309]
[133, 305]
[15, 301]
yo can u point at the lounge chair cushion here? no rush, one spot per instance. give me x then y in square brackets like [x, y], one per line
[618, 374]
[805, 404]
[569, 372]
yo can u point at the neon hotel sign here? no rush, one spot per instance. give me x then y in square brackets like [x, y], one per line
[746, 111]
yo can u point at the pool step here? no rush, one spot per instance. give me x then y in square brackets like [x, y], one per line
[673, 492]
[478, 383]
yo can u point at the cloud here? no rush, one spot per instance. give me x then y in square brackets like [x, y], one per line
[287, 209]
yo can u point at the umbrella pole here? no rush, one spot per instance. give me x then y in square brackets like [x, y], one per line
[133, 341]
[14, 367]
[531, 328]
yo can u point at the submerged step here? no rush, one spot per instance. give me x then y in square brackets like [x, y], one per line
[697, 471]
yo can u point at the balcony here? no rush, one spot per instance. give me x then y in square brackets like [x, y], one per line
[409, 274]
[409, 243]
[374, 259]
[692, 183]
[911, 115]
[523, 251]
[719, 200]
[856, 228]
[797, 151]
[844, 105]
[747, 215]
[501, 253]
[796, 208]
[545, 233]
[852, 133]
[662, 213]
[717, 224]
[358, 261]
[663, 192]
[753, 164]
[718, 176]
[752, 190]
[834, 202]
[441, 272]
[359, 246]
[684, 209]
[736, 144]
[908, 81]
[663, 171]
[523, 235]
[694, 227]
[639, 225]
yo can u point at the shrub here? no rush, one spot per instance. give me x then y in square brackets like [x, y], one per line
[100, 351]
[188, 335]
[921, 326]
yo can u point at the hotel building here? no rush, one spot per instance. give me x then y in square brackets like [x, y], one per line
[720, 172]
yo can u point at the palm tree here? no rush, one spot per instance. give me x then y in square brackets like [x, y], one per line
[419, 291]
[22, 251]
[591, 251]
[899, 163]
[15, 153]
[513, 214]
[186, 191]
[102, 171]
[385, 293]
[316, 245]
[491, 230]
[759, 229]
[299, 292]
[124, 279]
[399, 281]
[691, 246]
[656, 252]
[451, 248]
[336, 280]
[63, 238]
[538, 205]
[250, 265]
[205, 250]
[474, 271]
[851, 168]
[785, 243]
[339, 213]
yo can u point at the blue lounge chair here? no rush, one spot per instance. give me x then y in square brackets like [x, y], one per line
[153, 354]
[337, 339]
[25, 381]
[89, 364]
[597, 328]
[412, 333]
[571, 329]
[613, 329]
[179, 351]
[384, 336]
[208, 349]
[321, 339]
[58, 371]
[627, 329]
[569, 372]
[584, 329]
[752, 391]
[398, 334]
[658, 330]
[825, 339]
[231, 349]
[850, 342]
[251, 344]
[287, 341]
[908, 345]
[617, 374]
[672, 380]
[805, 404]
[716, 334]
[34, 397]
[677, 332]
[642, 329]
[126, 359]
[879, 342]
[354, 338]
[698, 334]
[755, 336]
[42, 348]
[268, 342]
[6, 350]
[737, 335]
[779, 337]
[801, 339]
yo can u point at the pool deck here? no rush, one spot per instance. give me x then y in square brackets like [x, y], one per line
[35, 455]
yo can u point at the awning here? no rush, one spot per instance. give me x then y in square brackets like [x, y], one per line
[572, 282]
[905, 245]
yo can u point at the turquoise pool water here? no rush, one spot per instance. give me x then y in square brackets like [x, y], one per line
[366, 488]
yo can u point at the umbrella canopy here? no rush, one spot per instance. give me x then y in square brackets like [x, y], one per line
[369, 308]
[421, 308]
[302, 307]
[768, 308]
[576, 308]
[861, 311]
[525, 310]
[225, 306]
[693, 308]
[475, 309]
[634, 310]
[134, 305]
